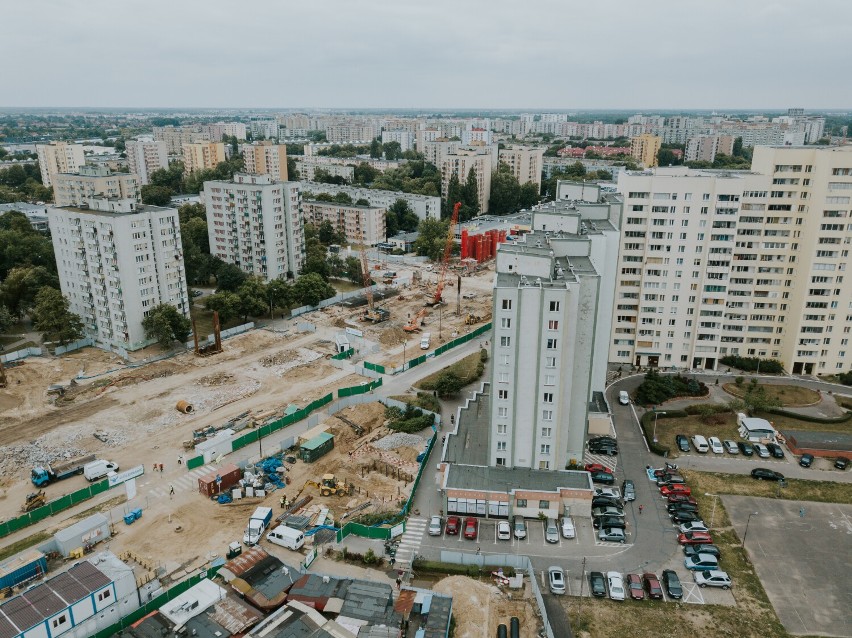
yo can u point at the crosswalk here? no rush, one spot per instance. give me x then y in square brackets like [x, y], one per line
[410, 541]
[185, 483]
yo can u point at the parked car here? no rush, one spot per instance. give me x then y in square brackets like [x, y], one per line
[731, 447]
[681, 498]
[806, 460]
[761, 450]
[568, 530]
[623, 398]
[715, 445]
[610, 492]
[694, 538]
[608, 511]
[746, 448]
[682, 516]
[841, 463]
[615, 584]
[677, 488]
[694, 550]
[634, 586]
[712, 578]
[670, 479]
[765, 474]
[605, 501]
[453, 525]
[628, 490]
[672, 582]
[603, 477]
[597, 584]
[504, 531]
[652, 585]
[471, 528]
[603, 447]
[556, 579]
[775, 450]
[603, 438]
[596, 467]
[612, 534]
[435, 526]
[520, 527]
[701, 561]
[609, 521]
[686, 507]
[694, 526]
[682, 442]
[551, 531]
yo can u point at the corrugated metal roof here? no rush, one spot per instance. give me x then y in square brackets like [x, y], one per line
[317, 441]
[234, 616]
[78, 529]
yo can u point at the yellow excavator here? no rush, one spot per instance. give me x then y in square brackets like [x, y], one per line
[34, 501]
[331, 485]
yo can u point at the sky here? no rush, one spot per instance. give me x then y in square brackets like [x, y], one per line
[431, 54]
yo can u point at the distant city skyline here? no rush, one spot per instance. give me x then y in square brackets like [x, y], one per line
[437, 56]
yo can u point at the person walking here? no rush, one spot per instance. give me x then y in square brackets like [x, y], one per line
[171, 491]
[641, 507]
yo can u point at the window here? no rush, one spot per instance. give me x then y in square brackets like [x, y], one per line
[547, 432]
[547, 397]
[547, 415]
[551, 344]
[550, 362]
[501, 446]
[507, 304]
[544, 465]
[505, 322]
[502, 412]
[503, 377]
[545, 449]
[549, 379]
[104, 595]
[544, 505]
[554, 306]
[501, 428]
[59, 621]
[502, 394]
[504, 359]
[501, 460]
[521, 502]
[553, 325]
[505, 342]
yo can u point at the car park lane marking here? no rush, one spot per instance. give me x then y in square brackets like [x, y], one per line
[691, 593]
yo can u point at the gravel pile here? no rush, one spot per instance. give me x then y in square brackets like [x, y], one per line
[399, 439]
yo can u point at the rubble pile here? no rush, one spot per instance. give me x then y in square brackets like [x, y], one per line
[29, 455]
[399, 439]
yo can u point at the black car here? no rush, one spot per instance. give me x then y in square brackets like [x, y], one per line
[695, 550]
[682, 442]
[603, 447]
[597, 583]
[604, 501]
[806, 460]
[610, 522]
[682, 516]
[603, 477]
[670, 479]
[775, 450]
[686, 507]
[841, 463]
[746, 448]
[628, 489]
[672, 584]
[764, 474]
[603, 438]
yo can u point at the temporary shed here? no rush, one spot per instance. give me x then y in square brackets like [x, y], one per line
[89, 531]
[316, 447]
[219, 480]
[755, 429]
[22, 567]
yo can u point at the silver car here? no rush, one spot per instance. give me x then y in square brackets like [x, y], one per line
[731, 446]
[556, 580]
[551, 531]
[761, 450]
[435, 526]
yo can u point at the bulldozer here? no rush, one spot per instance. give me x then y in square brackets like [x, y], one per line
[34, 501]
[330, 484]
[472, 319]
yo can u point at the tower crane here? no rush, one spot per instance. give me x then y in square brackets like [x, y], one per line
[448, 250]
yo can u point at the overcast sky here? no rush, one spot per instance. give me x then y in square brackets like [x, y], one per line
[543, 54]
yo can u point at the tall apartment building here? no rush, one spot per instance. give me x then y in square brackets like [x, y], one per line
[553, 294]
[350, 132]
[749, 264]
[58, 157]
[202, 155]
[360, 224]
[144, 158]
[255, 222]
[461, 163]
[266, 158]
[424, 206]
[215, 132]
[704, 148]
[524, 161]
[403, 137]
[263, 127]
[76, 189]
[117, 260]
[644, 149]
[176, 136]
[435, 150]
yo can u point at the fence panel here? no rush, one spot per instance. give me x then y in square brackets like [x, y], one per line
[194, 462]
[346, 354]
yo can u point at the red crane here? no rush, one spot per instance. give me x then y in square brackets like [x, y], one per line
[448, 250]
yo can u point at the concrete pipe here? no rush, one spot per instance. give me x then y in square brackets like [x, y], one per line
[184, 406]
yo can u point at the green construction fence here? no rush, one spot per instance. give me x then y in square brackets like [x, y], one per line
[346, 354]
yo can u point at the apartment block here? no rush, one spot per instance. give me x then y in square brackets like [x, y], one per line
[553, 294]
[461, 163]
[58, 157]
[525, 163]
[350, 132]
[202, 155]
[263, 127]
[255, 222]
[266, 158]
[215, 132]
[644, 148]
[176, 136]
[307, 168]
[117, 260]
[76, 189]
[424, 206]
[144, 158]
[704, 148]
[360, 224]
[435, 150]
[403, 137]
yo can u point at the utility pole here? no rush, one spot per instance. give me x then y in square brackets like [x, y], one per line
[582, 582]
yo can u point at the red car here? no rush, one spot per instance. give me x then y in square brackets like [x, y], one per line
[453, 525]
[652, 586]
[634, 586]
[597, 467]
[677, 488]
[681, 498]
[695, 538]
[470, 528]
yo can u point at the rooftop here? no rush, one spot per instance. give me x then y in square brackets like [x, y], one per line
[319, 440]
[840, 441]
[483, 478]
[470, 443]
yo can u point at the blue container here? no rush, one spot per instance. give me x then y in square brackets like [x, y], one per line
[137, 513]
[23, 567]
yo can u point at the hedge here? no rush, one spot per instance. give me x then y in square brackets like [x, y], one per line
[694, 410]
[810, 419]
[437, 567]
[752, 364]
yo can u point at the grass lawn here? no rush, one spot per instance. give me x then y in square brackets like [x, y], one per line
[33, 539]
[421, 400]
[667, 429]
[790, 396]
[466, 369]
[786, 423]
[204, 321]
[744, 485]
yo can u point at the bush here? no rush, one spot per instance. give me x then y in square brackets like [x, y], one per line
[647, 423]
[845, 378]
[483, 356]
[752, 364]
[656, 388]
[437, 567]
[739, 381]
[808, 418]
[706, 408]
[409, 421]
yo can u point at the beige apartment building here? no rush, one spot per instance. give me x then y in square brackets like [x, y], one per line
[525, 163]
[266, 158]
[360, 224]
[202, 155]
[461, 163]
[76, 189]
[743, 263]
[644, 149]
[144, 158]
[58, 157]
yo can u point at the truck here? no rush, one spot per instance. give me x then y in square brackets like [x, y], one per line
[41, 475]
[98, 469]
[257, 524]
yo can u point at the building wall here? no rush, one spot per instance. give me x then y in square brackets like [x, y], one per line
[93, 181]
[644, 149]
[525, 163]
[202, 155]
[403, 137]
[307, 170]
[265, 158]
[424, 206]
[144, 158]
[58, 157]
[360, 224]
[460, 163]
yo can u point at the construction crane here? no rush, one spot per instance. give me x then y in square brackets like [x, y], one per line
[372, 313]
[414, 324]
[448, 250]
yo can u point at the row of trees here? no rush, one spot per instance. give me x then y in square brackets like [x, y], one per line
[23, 183]
[509, 196]
[166, 182]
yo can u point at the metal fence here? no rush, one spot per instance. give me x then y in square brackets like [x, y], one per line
[76, 345]
[23, 353]
[343, 296]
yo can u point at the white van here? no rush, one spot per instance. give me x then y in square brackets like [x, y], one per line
[425, 339]
[286, 537]
[700, 444]
[624, 398]
[99, 469]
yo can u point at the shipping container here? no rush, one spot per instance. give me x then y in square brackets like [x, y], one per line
[230, 475]
[316, 447]
[23, 567]
[88, 532]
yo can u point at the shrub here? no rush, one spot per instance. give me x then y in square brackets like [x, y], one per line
[656, 388]
[752, 364]
[706, 408]
[739, 381]
[483, 355]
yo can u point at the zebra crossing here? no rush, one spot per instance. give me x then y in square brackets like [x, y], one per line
[184, 483]
[410, 541]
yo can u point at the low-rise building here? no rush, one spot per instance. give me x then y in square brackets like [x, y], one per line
[36, 213]
[360, 224]
[424, 206]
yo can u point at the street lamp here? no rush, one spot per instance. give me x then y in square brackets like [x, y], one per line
[713, 513]
[745, 533]
[656, 414]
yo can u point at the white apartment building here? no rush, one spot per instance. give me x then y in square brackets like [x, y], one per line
[117, 260]
[435, 150]
[705, 147]
[361, 224]
[76, 189]
[553, 294]
[199, 156]
[350, 132]
[256, 223]
[58, 157]
[403, 137]
[215, 132]
[263, 127]
[524, 161]
[424, 206]
[743, 263]
[176, 136]
[474, 134]
[461, 163]
[265, 158]
[144, 158]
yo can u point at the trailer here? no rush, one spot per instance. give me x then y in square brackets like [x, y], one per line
[318, 446]
[26, 566]
[41, 475]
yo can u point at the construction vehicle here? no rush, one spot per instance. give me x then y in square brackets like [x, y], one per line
[372, 313]
[34, 501]
[448, 250]
[330, 484]
[416, 321]
[42, 475]
[472, 319]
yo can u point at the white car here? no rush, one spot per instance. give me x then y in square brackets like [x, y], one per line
[612, 492]
[712, 578]
[568, 530]
[435, 526]
[504, 531]
[716, 445]
[556, 580]
[694, 526]
[761, 450]
[615, 583]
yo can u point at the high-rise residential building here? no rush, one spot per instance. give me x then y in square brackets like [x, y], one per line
[215, 132]
[476, 134]
[644, 148]
[460, 163]
[118, 260]
[704, 148]
[525, 163]
[360, 224]
[350, 132]
[738, 263]
[58, 157]
[255, 222]
[76, 189]
[176, 136]
[403, 137]
[144, 158]
[266, 158]
[435, 150]
[553, 294]
[202, 155]
[424, 206]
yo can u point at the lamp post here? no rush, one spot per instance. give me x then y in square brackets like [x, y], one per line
[404, 341]
[656, 414]
[713, 512]
[745, 533]
[440, 322]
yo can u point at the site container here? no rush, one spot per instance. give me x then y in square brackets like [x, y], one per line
[230, 475]
[318, 446]
[22, 567]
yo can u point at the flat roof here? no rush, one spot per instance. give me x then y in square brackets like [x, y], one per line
[317, 441]
[840, 441]
[470, 442]
[500, 479]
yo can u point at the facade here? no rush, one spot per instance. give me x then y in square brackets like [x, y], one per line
[351, 132]
[58, 157]
[255, 223]
[76, 189]
[424, 206]
[461, 163]
[524, 161]
[644, 148]
[176, 136]
[552, 312]
[404, 137]
[266, 158]
[263, 127]
[307, 168]
[215, 132]
[199, 156]
[117, 260]
[435, 149]
[704, 148]
[144, 158]
[360, 224]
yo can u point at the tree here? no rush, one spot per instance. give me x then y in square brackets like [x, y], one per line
[7, 320]
[254, 300]
[227, 304]
[448, 384]
[156, 195]
[230, 277]
[529, 196]
[393, 150]
[22, 245]
[505, 192]
[391, 224]
[757, 400]
[432, 238]
[363, 173]
[195, 230]
[666, 157]
[375, 149]
[280, 293]
[362, 202]
[171, 177]
[311, 288]
[352, 269]
[326, 233]
[406, 219]
[342, 198]
[470, 196]
[324, 177]
[191, 211]
[292, 171]
[165, 324]
[18, 291]
[454, 194]
[53, 319]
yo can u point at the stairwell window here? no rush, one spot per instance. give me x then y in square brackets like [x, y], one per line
[551, 344]
[505, 342]
[554, 306]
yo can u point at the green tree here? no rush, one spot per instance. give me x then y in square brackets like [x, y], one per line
[375, 149]
[165, 324]
[292, 171]
[227, 304]
[757, 400]
[191, 211]
[280, 293]
[393, 150]
[470, 197]
[364, 173]
[448, 384]
[406, 219]
[22, 245]
[505, 192]
[171, 177]
[53, 318]
[529, 196]
[432, 238]
[324, 177]
[18, 291]
[7, 319]
[352, 269]
[362, 202]
[196, 232]
[311, 288]
[666, 157]
[342, 198]
[327, 233]
[230, 277]
[454, 194]
[254, 300]
[391, 224]
[156, 195]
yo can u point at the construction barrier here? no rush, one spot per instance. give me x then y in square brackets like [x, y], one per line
[365, 531]
[407, 509]
[346, 354]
